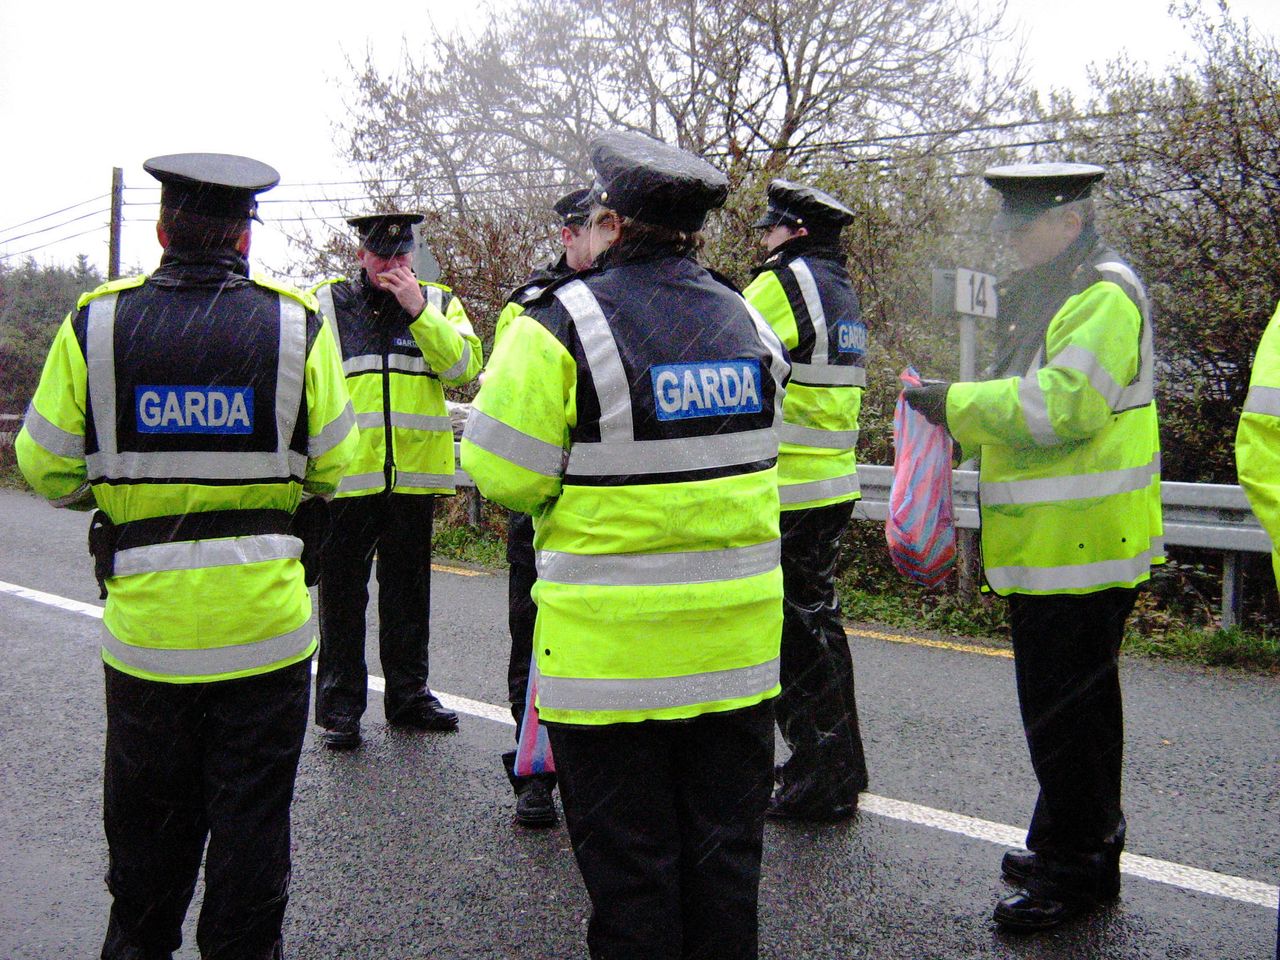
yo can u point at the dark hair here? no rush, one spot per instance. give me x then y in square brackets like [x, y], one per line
[200, 231]
[637, 235]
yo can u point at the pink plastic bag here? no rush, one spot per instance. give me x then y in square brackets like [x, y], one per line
[920, 528]
[533, 750]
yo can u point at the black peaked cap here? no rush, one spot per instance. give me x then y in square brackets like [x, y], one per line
[654, 182]
[214, 184]
[386, 234]
[574, 207]
[1029, 189]
[798, 205]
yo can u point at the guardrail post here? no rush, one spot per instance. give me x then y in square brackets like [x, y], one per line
[473, 507]
[1232, 592]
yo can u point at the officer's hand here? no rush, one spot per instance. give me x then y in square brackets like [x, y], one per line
[930, 400]
[404, 285]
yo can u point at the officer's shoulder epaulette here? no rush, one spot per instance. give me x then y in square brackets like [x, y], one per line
[305, 298]
[111, 286]
[327, 281]
[722, 279]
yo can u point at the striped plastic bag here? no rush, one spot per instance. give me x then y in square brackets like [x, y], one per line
[920, 527]
[533, 749]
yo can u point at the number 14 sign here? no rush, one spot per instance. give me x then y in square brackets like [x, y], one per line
[975, 293]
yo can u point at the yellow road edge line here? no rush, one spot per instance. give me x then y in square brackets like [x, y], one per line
[935, 644]
[460, 571]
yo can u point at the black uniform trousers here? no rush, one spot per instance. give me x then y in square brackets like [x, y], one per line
[522, 613]
[397, 527]
[1066, 659]
[817, 712]
[186, 762]
[666, 818]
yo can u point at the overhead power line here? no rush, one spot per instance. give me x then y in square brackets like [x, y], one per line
[54, 213]
[50, 243]
[56, 226]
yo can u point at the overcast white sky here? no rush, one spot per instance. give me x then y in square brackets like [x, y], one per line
[86, 86]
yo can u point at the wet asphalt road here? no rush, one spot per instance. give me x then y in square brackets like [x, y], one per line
[405, 848]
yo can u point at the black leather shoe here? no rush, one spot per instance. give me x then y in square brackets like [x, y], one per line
[535, 807]
[783, 809]
[428, 714]
[1029, 912]
[1017, 865]
[342, 736]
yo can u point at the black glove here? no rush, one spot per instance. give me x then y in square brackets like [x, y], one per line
[930, 400]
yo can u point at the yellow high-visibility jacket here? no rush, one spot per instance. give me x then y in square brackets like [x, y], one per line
[212, 406]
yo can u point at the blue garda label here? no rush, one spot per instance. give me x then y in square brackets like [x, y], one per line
[712, 388]
[851, 337]
[193, 409]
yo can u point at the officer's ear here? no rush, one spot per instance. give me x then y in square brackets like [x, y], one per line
[242, 242]
[162, 236]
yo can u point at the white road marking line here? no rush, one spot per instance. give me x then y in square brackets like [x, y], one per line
[1148, 868]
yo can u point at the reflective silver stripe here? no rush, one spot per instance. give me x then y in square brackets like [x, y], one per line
[658, 569]
[334, 432]
[672, 456]
[1076, 487]
[362, 481]
[190, 464]
[818, 489]
[825, 375]
[398, 361]
[325, 295]
[778, 364]
[1083, 360]
[1265, 400]
[433, 480]
[210, 661]
[197, 554]
[813, 304]
[506, 442]
[656, 693]
[459, 368]
[101, 364]
[1074, 576]
[816, 437]
[1035, 410]
[600, 351]
[1142, 390]
[196, 465]
[370, 421]
[435, 297]
[53, 438]
[365, 363]
[421, 421]
[291, 370]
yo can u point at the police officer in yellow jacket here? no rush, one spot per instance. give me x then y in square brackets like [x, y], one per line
[632, 410]
[1258, 438]
[1258, 448]
[197, 405]
[1070, 501]
[535, 806]
[804, 292]
[401, 340]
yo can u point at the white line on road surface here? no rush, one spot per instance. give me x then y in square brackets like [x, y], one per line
[1159, 871]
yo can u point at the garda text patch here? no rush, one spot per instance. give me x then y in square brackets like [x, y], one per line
[712, 388]
[851, 337]
[193, 409]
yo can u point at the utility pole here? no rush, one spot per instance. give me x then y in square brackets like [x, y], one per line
[117, 210]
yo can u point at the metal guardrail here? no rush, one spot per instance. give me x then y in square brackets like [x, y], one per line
[1210, 516]
[10, 424]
